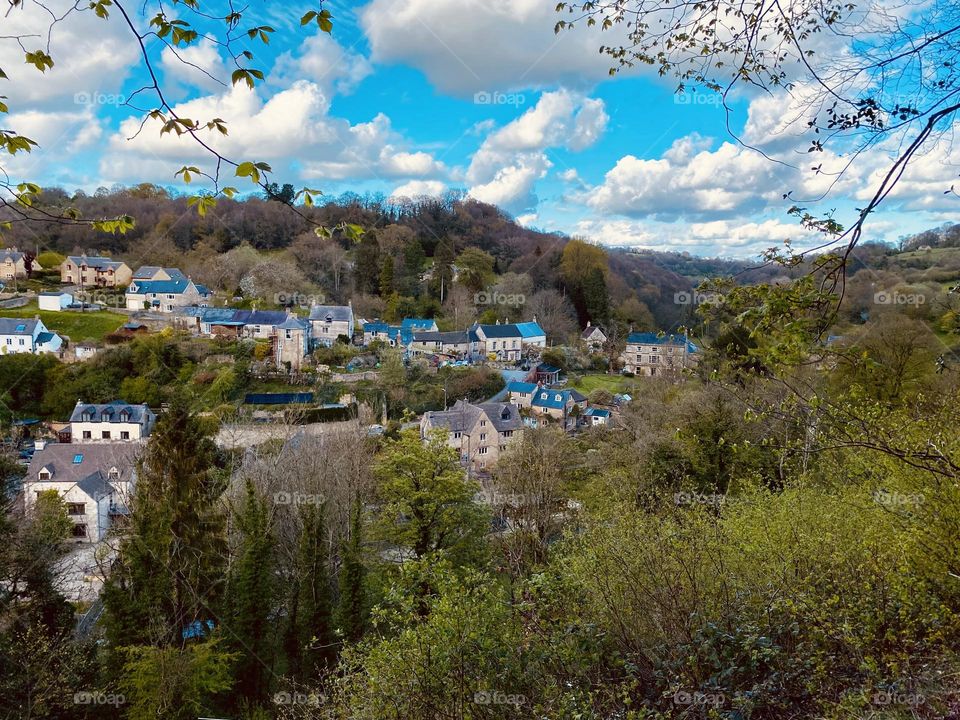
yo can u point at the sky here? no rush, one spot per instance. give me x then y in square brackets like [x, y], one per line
[415, 97]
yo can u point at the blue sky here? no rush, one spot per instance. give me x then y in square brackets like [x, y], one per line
[412, 97]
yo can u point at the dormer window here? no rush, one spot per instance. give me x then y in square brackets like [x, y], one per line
[44, 474]
[113, 474]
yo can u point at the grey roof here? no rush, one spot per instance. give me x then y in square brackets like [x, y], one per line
[17, 326]
[464, 415]
[587, 332]
[94, 462]
[95, 261]
[336, 313]
[146, 272]
[12, 255]
[452, 337]
[293, 323]
[110, 412]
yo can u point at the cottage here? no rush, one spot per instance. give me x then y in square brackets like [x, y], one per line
[547, 374]
[593, 337]
[27, 336]
[507, 341]
[521, 393]
[94, 481]
[329, 322]
[166, 295]
[650, 354]
[13, 264]
[480, 433]
[592, 417]
[292, 342]
[556, 404]
[94, 271]
[456, 343]
[115, 421]
[397, 335]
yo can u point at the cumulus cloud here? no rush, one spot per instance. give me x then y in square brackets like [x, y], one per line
[418, 188]
[505, 169]
[324, 62]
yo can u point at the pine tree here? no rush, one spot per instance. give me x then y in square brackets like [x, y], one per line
[386, 276]
[352, 610]
[442, 271]
[250, 597]
[169, 570]
[595, 296]
[314, 603]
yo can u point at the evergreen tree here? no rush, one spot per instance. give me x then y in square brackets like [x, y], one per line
[595, 298]
[443, 260]
[386, 276]
[316, 638]
[250, 597]
[367, 265]
[352, 610]
[169, 570]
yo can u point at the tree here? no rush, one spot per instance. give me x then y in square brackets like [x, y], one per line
[595, 297]
[250, 597]
[367, 265]
[386, 276]
[443, 259]
[314, 604]
[426, 503]
[168, 576]
[475, 268]
[553, 312]
[352, 608]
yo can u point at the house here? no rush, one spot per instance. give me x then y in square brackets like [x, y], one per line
[292, 342]
[94, 271]
[593, 337]
[54, 301]
[594, 416]
[152, 272]
[556, 404]
[455, 343]
[547, 374]
[507, 341]
[95, 483]
[13, 264]
[397, 335]
[115, 421]
[230, 322]
[521, 393]
[480, 433]
[20, 335]
[649, 354]
[165, 295]
[328, 322]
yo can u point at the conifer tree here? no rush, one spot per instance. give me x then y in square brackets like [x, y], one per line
[352, 610]
[315, 632]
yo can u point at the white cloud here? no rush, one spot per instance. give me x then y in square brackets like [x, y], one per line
[418, 188]
[324, 62]
[468, 46]
[505, 169]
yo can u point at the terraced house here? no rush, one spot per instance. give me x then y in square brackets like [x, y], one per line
[166, 295]
[94, 271]
[13, 264]
[480, 433]
[507, 341]
[650, 354]
[115, 421]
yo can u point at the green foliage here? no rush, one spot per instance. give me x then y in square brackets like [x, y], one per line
[475, 269]
[352, 609]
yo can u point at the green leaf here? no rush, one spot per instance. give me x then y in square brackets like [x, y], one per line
[40, 60]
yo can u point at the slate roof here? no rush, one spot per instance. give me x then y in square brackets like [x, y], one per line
[588, 331]
[17, 326]
[522, 387]
[95, 461]
[110, 412]
[54, 293]
[508, 330]
[551, 399]
[45, 337]
[160, 287]
[464, 415]
[260, 317]
[530, 330]
[650, 338]
[95, 261]
[146, 272]
[452, 337]
[293, 323]
[596, 412]
[11, 255]
[578, 397]
[336, 313]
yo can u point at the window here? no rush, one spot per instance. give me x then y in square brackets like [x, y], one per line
[105, 435]
[483, 423]
[22, 341]
[654, 359]
[113, 474]
[481, 451]
[76, 508]
[456, 436]
[78, 458]
[483, 436]
[124, 435]
[503, 448]
[507, 433]
[87, 434]
[43, 475]
[79, 531]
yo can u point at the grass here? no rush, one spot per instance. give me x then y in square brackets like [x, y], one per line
[611, 383]
[79, 327]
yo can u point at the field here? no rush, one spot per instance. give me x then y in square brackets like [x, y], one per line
[611, 383]
[75, 325]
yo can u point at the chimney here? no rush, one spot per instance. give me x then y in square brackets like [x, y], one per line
[39, 444]
[588, 323]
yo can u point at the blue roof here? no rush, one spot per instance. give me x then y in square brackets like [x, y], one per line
[521, 387]
[650, 338]
[554, 399]
[45, 337]
[530, 329]
[597, 412]
[378, 327]
[277, 398]
[544, 368]
[169, 287]
[416, 324]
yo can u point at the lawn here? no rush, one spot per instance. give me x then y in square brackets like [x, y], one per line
[611, 383]
[78, 326]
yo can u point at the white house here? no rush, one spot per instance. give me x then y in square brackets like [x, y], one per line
[328, 322]
[165, 295]
[507, 341]
[54, 301]
[115, 421]
[20, 335]
[94, 481]
[648, 353]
